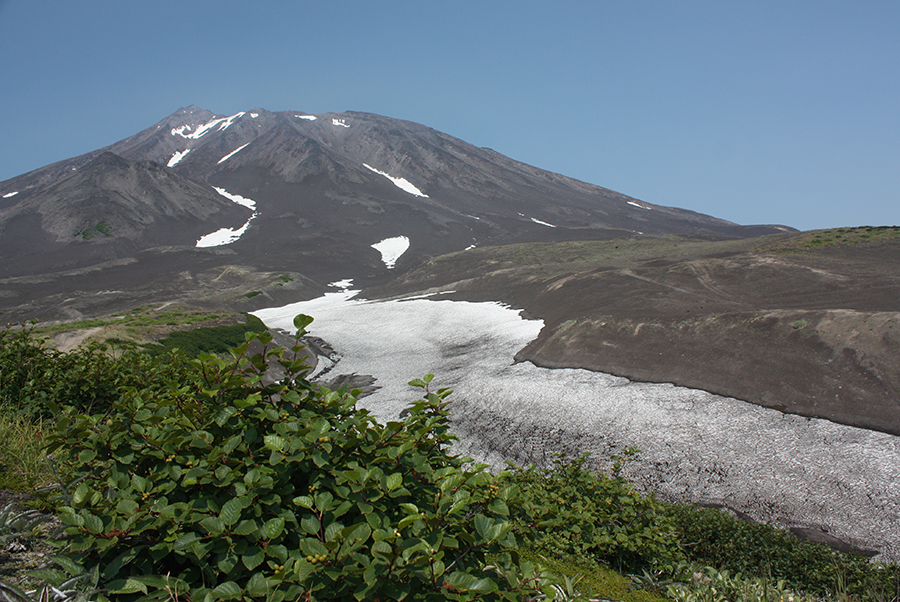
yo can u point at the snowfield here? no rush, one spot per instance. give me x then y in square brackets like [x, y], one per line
[695, 446]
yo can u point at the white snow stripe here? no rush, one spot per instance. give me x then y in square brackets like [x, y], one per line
[401, 183]
[232, 153]
[177, 157]
[236, 198]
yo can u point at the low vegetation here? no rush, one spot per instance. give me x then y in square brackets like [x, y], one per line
[197, 479]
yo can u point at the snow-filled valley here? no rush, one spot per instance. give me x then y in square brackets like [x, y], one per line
[694, 445]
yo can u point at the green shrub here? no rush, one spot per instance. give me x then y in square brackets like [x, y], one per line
[569, 510]
[716, 538]
[88, 379]
[221, 487]
[210, 339]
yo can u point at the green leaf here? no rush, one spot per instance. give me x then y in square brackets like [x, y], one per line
[273, 442]
[227, 591]
[332, 530]
[382, 547]
[126, 507]
[301, 321]
[231, 511]
[127, 586]
[258, 586]
[303, 569]
[81, 494]
[310, 524]
[304, 501]
[274, 527]
[394, 481]
[184, 541]
[483, 525]
[251, 561]
[93, 523]
[245, 527]
[213, 525]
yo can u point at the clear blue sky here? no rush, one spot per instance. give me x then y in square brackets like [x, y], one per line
[756, 112]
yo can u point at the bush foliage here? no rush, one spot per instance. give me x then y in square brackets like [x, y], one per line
[238, 489]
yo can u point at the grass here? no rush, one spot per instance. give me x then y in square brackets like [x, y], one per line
[834, 237]
[593, 579]
[139, 325]
[23, 464]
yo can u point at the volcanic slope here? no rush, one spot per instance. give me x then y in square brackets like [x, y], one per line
[806, 323]
[325, 188]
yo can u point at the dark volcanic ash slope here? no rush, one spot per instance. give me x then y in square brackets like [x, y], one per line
[108, 209]
[326, 188]
[785, 322]
[336, 183]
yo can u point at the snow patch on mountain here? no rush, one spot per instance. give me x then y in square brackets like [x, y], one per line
[342, 284]
[223, 236]
[639, 205]
[222, 122]
[236, 198]
[537, 221]
[307, 117]
[232, 153]
[254, 115]
[177, 157]
[340, 122]
[401, 183]
[226, 236]
[10, 194]
[391, 249]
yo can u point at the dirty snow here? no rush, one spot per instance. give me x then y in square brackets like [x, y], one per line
[232, 153]
[391, 249]
[340, 122]
[177, 157]
[401, 183]
[696, 446]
